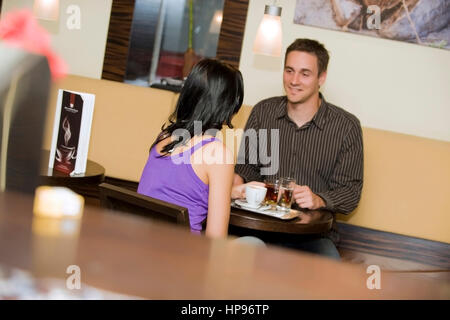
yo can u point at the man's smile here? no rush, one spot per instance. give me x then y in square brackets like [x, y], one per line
[294, 90]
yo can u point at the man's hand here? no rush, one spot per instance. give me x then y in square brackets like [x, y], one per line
[305, 198]
[238, 191]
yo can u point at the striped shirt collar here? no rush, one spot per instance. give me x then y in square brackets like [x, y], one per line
[319, 118]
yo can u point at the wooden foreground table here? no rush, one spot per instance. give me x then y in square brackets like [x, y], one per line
[138, 257]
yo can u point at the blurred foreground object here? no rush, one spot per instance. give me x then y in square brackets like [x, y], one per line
[144, 258]
[24, 90]
[20, 29]
[19, 284]
[57, 202]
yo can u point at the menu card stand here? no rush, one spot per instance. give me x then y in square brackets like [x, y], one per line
[71, 132]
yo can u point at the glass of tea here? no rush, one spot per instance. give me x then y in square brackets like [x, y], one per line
[272, 185]
[285, 194]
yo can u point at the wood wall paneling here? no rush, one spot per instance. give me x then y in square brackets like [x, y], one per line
[116, 52]
[386, 244]
[232, 31]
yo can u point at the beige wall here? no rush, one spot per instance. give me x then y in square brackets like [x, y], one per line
[406, 186]
[82, 49]
[389, 85]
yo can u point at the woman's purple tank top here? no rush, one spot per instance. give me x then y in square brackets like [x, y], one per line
[172, 179]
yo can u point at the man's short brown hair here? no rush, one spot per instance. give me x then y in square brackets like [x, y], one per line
[311, 46]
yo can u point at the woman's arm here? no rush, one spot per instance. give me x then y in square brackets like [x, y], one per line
[220, 177]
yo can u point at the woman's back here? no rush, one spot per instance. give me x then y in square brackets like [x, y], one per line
[173, 179]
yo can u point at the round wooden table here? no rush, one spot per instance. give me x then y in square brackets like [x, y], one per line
[309, 222]
[85, 184]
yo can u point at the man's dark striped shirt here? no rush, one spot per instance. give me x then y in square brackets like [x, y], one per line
[325, 154]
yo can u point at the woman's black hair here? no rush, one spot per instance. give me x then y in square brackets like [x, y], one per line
[212, 94]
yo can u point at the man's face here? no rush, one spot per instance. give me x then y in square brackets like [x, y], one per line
[300, 77]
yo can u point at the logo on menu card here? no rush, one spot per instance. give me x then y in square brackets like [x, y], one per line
[71, 107]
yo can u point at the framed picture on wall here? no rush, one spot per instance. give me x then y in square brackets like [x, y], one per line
[423, 22]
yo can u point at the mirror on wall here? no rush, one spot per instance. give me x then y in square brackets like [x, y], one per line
[156, 42]
[168, 37]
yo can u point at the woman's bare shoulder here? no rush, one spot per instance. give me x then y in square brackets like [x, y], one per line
[217, 152]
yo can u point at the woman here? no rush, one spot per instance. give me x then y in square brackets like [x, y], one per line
[187, 165]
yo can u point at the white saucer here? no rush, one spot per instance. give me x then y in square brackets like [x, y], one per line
[245, 204]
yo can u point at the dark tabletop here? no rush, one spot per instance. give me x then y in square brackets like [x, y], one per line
[94, 171]
[308, 222]
[85, 184]
[139, 257]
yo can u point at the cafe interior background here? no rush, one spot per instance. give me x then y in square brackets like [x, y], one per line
[398, 90]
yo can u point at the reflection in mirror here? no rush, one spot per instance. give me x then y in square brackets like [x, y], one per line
[168, 37]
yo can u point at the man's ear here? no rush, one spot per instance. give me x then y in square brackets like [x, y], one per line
[322, 78]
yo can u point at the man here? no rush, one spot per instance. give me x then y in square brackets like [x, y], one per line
[320, 145]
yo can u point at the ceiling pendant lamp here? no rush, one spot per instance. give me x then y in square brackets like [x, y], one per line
[269, 34]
